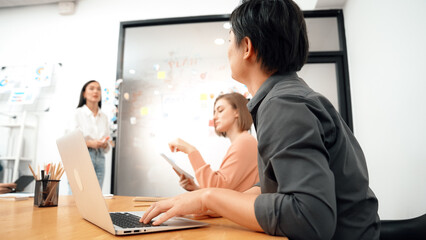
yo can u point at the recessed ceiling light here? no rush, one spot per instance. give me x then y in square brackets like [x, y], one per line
[219, 41]
[132, 71]
[227, 25]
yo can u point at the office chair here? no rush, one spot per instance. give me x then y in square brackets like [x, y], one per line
[409, 229]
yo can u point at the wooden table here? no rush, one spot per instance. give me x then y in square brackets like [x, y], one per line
[22, 220]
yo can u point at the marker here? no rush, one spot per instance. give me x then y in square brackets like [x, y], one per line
[47, 169]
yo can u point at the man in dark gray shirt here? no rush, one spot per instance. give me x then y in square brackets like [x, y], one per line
[313, 175]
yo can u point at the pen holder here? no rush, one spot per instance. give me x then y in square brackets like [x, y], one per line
[46, 193]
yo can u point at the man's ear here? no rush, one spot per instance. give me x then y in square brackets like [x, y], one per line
[248, 48]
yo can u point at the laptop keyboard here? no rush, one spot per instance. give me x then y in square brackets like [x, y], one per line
[128, 220]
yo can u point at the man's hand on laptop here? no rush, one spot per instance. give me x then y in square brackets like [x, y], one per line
[187, 203]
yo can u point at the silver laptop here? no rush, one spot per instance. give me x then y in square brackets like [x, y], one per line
[88, 195]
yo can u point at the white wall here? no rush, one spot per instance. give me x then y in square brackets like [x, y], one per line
[386, 48]
[86, 43]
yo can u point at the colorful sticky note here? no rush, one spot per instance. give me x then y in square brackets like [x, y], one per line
[161, 75]
[126, 96]
[144, 111]
[203, 96]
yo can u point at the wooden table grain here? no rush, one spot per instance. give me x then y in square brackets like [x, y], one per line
[23, 220]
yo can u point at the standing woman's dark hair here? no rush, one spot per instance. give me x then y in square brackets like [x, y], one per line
[82, 101]
[277, 48]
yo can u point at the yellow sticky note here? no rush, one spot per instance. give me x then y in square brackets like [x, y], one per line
[144, 111]
[161, 75]
[203, 96]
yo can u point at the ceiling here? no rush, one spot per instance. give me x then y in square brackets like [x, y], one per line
[320, 4]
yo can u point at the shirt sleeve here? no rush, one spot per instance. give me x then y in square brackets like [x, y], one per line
[291, 147]
[238, 166]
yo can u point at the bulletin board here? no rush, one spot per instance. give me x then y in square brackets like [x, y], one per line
[28, 87]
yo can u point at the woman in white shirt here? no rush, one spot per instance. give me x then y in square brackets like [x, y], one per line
[94, 124]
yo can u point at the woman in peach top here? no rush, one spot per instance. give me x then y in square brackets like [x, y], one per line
[238, 170]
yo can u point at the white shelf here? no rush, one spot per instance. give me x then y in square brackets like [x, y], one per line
[15, 144]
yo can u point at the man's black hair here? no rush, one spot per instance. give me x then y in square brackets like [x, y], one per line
[277, 30]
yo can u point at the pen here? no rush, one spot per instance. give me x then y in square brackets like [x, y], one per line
[142, 205]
